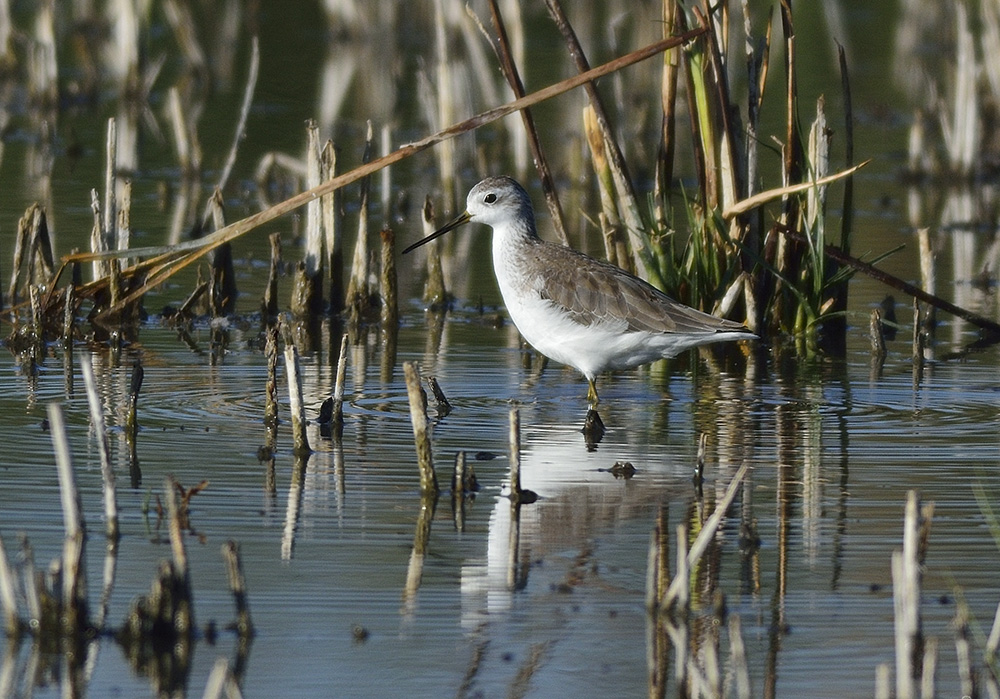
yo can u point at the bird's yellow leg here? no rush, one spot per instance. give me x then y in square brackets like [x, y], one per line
[592, 394]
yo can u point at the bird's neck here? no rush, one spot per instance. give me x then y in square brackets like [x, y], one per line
[521, 232]
[511, 245]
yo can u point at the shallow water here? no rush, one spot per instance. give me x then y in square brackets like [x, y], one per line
[832, 453]
[833, 446]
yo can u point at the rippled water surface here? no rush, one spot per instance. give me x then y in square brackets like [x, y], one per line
[832, 452]
[357, 587]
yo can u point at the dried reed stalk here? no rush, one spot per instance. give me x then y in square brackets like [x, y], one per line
[296, 406]
[623, 184]
[509, 68]
[358, 292]
[103, 449]
[338, 388]
[73, 610]
[514, 448]
[421, 434]
[701, 543]
[388, 285]
[307, 296]
[906, 602]
[435, 293]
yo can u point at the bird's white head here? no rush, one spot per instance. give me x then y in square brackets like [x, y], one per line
[500, 203]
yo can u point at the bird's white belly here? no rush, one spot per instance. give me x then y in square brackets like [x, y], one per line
[590, 349]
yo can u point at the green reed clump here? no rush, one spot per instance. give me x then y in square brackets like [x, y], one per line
[778, 278]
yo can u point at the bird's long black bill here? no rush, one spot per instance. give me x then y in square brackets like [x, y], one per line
[464, 217]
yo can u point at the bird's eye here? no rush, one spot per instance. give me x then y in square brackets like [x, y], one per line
[490, 198]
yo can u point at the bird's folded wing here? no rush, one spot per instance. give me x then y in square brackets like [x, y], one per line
[593, 292]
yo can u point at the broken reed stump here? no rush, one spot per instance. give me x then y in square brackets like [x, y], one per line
[125, 220]
[222, 282]
[514, 437]
[269, 304]
[33, 259]
[300, 440]
[876, 333]
[103, 449]
[307, 289]
[110, 222]
[337, 414]
[435, 293]
[358, 298]
[73, 601]
[906, 589]
[421, 436]
[968, 675]
[389, 320]
[388, 285]
[441, 400]
[271, 384]
[518, 495]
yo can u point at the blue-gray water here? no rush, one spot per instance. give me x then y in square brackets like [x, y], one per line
[833, 447]
[832, 454]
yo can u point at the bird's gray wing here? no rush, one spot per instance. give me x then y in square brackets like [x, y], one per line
[593, 292]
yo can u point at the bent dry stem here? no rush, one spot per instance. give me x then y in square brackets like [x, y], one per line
[421, 430]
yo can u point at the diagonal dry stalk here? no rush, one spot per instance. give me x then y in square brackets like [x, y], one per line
[509, 67]
[771, 194]
[168, 260]
[627, 200]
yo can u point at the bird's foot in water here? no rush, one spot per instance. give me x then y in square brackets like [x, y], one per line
[593, 429]
[592, 399]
